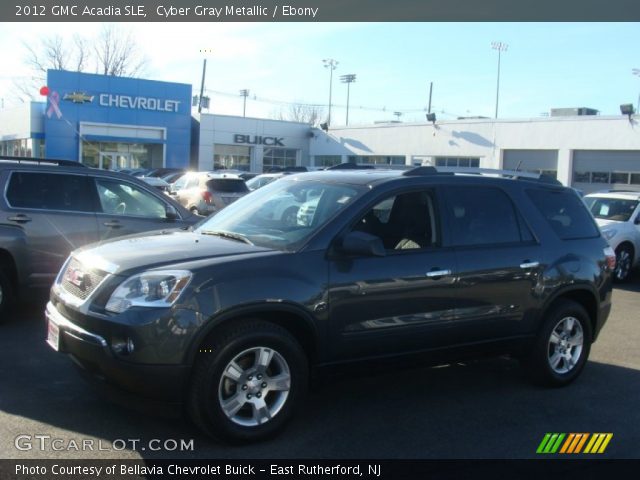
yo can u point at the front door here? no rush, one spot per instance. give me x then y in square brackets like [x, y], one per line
[400, 302]
[114, 160]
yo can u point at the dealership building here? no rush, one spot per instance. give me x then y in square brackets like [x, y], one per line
[115, 122]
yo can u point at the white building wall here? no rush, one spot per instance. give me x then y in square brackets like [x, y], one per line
[221, 129]
[486, 139]
[20, 122]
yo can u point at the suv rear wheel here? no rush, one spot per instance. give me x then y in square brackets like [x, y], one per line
[562, 346]
[6, 295]
[247, 382]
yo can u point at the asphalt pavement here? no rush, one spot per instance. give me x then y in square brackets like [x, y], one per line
[483, 409]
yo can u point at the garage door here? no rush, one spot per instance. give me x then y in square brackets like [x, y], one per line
[537, 161]
[595, 170]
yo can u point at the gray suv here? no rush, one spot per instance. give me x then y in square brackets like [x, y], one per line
[50, 207]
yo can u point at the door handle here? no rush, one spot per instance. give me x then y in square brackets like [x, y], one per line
[438, 273]
[528, 264]
[113, 224]
[20, 218]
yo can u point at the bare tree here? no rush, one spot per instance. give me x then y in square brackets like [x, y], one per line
[300, 112]
[117, 54]
[112, 52]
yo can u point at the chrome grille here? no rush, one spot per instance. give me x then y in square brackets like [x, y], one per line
[81, 281]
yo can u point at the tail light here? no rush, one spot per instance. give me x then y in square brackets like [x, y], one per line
[610, 258]
[206, 196]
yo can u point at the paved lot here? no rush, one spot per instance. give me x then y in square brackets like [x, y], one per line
[479, 410]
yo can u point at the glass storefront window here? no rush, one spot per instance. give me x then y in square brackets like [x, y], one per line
[278, 157]
[327, 160]
[231, 157]
[377, 159]
[116, 155]
[457, 162]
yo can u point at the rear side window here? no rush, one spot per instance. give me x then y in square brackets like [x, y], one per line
[49, 191]
[227, 185]
[482, 216]
[565, 212]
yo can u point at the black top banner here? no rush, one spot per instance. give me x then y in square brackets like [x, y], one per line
[319, 10]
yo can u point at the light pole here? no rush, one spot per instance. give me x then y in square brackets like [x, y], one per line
[636, 72]
[348, 79]
[500, 47]
[244, 93]
[331, 64]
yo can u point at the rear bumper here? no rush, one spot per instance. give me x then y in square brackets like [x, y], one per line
[98, 362]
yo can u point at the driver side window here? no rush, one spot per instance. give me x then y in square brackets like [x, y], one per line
[403, 222]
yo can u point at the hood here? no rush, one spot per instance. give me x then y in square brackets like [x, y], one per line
[161, 248]
[602, 223]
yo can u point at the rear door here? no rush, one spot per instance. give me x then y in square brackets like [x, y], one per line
[55, 214]
[499, 262]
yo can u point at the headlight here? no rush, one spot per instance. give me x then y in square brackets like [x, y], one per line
[159, 288]
[609, 234]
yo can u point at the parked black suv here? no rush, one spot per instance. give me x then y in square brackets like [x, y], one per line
[50, 207]
[231, 317]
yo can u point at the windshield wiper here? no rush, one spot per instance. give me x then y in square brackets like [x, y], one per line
[230, 235]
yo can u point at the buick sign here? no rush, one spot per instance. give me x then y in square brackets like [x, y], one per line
[259, 140]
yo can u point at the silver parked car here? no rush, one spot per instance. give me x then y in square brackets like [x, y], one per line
[205, 193]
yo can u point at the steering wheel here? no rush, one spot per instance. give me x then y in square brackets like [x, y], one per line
[121, 208]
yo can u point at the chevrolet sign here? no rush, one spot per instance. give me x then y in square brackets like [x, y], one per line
[78, 97]
[138, 103]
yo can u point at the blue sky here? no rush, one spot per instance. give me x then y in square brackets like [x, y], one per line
[547, 65]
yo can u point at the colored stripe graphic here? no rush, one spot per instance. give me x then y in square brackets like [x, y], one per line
[550, 443]
[598, 443]
[574, 443]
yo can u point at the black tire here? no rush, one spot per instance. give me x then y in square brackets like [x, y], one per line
[546, 351]
[624, 262]
[6, 296]
[290, 217]
[244, 342]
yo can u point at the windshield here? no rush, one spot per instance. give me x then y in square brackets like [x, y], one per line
[615, 209]
[283, 214]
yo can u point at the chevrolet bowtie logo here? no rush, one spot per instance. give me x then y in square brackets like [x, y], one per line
[78, 97]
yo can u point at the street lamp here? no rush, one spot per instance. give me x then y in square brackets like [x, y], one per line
[636, 72]
[500, 47]
[244, 93]
[348, 79]
[331, 64]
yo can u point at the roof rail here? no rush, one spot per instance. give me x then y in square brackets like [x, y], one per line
[419, 171]
[480, 171]
[350, 166]
[41, 161]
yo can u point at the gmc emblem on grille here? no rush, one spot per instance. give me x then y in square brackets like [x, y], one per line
[77, 277]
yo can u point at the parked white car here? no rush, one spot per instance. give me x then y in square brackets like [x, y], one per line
[618, 216]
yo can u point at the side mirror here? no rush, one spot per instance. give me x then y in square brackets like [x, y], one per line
[363, 244]
[170, 212]
[637, 220]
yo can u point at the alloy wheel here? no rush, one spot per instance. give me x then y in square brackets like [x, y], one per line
[565, 345]
[254, 386]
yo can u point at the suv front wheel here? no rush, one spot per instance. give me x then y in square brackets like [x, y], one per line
[562, 346]
[624, 261]
[247, 381]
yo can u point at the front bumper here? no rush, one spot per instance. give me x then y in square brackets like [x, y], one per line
[93, 354]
